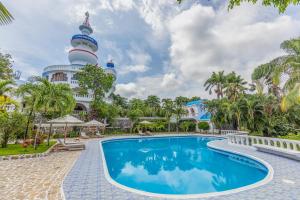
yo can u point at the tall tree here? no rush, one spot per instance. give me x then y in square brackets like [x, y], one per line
[6, 71]
[168, 110]
[5, 86]
[217, 83]
[234, 86]
[47, 99]
[95, 79]
[153, 102]
[179, 110]
[288, 66]
[134, 115]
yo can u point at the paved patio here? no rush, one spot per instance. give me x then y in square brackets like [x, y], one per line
[86, 179]
[35, 178]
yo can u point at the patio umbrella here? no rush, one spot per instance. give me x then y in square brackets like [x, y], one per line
[67, 120]
[145, 122]
[94, 123]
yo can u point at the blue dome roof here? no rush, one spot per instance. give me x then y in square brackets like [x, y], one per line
[110, 65]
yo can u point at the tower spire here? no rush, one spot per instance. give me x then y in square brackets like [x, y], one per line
[85, 27]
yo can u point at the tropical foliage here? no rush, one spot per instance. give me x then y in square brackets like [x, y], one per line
[93, 79]
[45, 100]
[274, 109]
[281, 5]
[10, 125]
[5, 16]
[6, 71]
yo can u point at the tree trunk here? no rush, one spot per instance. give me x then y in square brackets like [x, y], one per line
[36, 134]
[169, 127]
[27, 125]
[49, 133]
[5, 140]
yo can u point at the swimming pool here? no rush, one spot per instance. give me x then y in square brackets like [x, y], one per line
[178, 166]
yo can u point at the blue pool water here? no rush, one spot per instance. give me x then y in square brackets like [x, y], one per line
[178, 165]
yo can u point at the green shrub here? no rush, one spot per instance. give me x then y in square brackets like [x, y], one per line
[58, 135]
[73, 134]
[187, 126]
[203, 126]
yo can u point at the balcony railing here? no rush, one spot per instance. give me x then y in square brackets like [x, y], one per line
[62, 67]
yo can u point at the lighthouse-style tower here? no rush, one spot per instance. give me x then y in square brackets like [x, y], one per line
[84, 47]
[83, 52]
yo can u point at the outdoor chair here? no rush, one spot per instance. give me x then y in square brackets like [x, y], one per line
[71, 146]
[147, 133]
[99, 135]
[83, 135]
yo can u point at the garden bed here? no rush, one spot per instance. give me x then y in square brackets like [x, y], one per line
[17, 149]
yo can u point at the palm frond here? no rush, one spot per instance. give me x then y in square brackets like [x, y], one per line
[5, 16]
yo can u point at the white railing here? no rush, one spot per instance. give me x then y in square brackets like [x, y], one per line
[233, 132]
[274, 142]
[62, 67]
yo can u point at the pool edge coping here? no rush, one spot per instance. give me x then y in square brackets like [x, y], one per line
[262, 182]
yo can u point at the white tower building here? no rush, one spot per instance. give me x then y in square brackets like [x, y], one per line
[83, 53]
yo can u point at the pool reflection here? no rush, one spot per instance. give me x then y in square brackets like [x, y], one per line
[177, 165]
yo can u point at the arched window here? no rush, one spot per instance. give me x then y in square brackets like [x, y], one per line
[59, 76]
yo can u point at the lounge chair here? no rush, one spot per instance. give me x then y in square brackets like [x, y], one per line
[71, 146]
[141, 133]
[83, 135]
[99, 135]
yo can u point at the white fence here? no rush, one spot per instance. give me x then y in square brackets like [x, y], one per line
[274, 142]
[233, 132]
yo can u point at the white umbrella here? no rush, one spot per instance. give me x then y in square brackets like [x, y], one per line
[94, 123]
[145, 122]
[67, 120]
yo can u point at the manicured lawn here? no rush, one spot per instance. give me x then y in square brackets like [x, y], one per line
[15, 149]
[291, 137]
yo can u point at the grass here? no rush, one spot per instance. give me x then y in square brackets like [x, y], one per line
[15, 149]
[291, 136]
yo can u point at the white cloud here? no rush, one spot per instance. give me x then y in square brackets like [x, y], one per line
[116, 5]
[133, 68]
[205, 40]
[170, 80]
[136, 34]
[129, 89]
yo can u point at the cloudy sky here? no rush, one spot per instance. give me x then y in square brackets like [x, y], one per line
[158, 46]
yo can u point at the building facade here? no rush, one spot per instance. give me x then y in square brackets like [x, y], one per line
[83, 52]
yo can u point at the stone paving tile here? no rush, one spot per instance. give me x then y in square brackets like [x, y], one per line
[35, 178]
[86, 179]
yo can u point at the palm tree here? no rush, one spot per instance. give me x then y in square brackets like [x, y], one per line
[179, 111]
[5, 16]
[271, 73]
[134, 115]
[265, 75]
[216, 82]
[153, 102]
[47, 99]
[234, 86]
[30, 93]
[291, 99]
[168, 110]
[252, 108]
[5, 86]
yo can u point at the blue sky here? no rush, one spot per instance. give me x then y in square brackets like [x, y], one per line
[158, 46]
